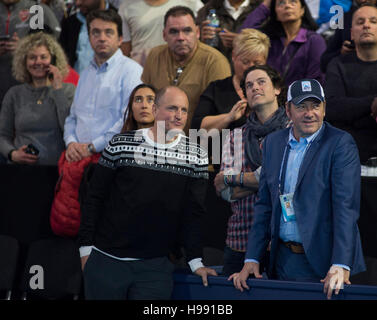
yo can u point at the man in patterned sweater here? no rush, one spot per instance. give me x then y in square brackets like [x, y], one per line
[148, 188]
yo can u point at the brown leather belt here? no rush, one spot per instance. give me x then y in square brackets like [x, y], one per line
[295, 247]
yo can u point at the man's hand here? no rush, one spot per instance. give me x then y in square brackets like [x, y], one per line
[239, 193]
[227, 38]
[77, 151]
[335, 279]
[20, 156]
[207, 32]
[83, 262]
[239, 279]
[204, 272]
[373, 109]
[346, 47]
[218, 182]
[12, 44]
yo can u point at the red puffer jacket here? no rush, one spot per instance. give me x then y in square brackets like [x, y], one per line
[65, 212]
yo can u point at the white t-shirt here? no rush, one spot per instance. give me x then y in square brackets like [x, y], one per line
[143, 24]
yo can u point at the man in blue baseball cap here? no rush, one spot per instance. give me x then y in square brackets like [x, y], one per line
[309, 199]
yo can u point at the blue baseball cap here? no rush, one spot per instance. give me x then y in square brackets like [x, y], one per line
[301, 90]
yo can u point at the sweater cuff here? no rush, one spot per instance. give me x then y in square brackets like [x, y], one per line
[85, 251]
[195, 264]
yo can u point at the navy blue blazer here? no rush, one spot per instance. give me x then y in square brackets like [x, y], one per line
[326, 201]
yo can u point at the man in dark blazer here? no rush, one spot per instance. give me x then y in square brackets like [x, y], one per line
[309, 199]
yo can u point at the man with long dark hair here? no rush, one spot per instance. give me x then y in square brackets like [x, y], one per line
[242, 157]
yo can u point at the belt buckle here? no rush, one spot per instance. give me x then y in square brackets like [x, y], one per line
[295, 248]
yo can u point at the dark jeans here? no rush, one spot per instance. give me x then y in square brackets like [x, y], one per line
[293, 266]
[233, 261]
[106, 278]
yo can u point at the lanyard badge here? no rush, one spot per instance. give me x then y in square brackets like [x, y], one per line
[286, 201]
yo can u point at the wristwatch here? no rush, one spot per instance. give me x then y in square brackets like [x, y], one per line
[91, 148]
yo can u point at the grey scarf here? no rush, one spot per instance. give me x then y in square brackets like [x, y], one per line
[255, 132]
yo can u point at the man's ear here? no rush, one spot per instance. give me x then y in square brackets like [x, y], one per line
[197, 31]
[120, 40]
[164, 34]
[287, 111]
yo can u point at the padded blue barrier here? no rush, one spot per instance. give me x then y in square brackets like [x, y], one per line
[190, 287]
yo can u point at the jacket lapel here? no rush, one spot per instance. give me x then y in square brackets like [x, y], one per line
[281, 164]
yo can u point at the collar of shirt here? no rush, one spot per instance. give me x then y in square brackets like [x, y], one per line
[81, 17]
[301, 36]
[232, 11]
[293, 143]
[108, 63]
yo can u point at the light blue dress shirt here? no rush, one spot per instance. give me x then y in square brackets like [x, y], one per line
[297, 149]
[84, 50]
[100, 101]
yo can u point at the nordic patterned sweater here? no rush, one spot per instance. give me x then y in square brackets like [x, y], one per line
[144, 196]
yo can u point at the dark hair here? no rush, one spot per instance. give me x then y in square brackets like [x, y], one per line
[130, 122]
[178, 11]
[274, 29]
[109, 15]
[276, 80]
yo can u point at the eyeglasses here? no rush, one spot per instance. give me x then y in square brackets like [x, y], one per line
[282, 3]
[177, 75]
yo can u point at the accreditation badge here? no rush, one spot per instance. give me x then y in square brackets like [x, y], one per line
[286, 201]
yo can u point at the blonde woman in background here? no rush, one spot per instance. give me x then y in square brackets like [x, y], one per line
[222, 105]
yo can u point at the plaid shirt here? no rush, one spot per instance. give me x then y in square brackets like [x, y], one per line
[239, 222]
